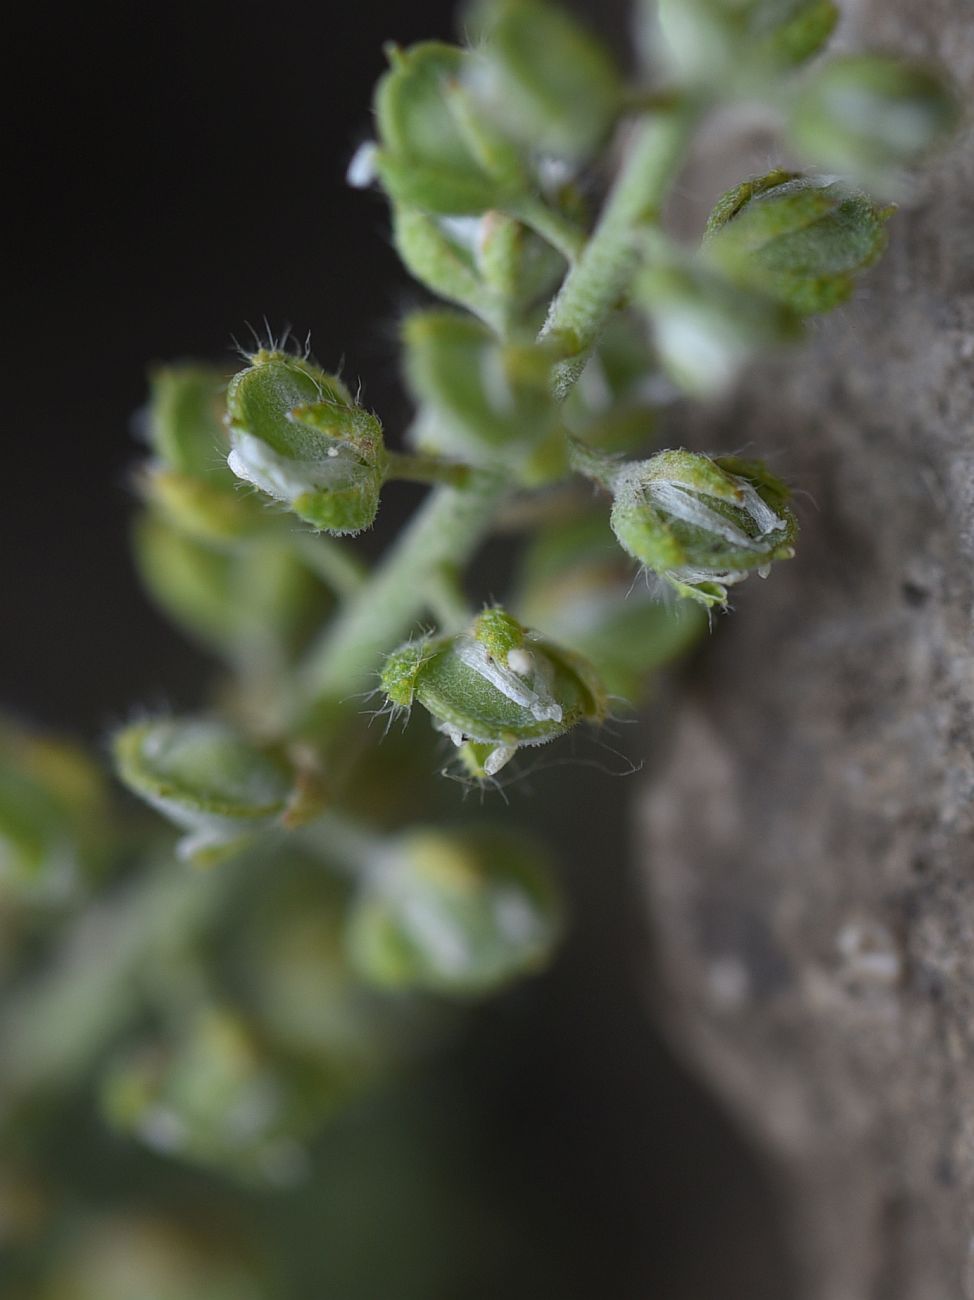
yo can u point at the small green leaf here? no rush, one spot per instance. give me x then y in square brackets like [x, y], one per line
[458, 914]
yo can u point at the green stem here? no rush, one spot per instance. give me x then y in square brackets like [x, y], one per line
[417, 468]
[447, 530]
[592, 464]
[339, 568]
[560, 231]
[601, 275]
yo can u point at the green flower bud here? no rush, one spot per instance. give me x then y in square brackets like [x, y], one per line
[726, 43]
[437, 152]
[248, 603]
[455, 913]
[53, 816]
[298, 436]
[188, 479]
[484, 401]
[871, 116]
[576, 585]
[206, 778]
[706, 328]
[217, 1096]
[120, 1257]
[498, 685]
[543, 78]
[702, 525]
[798, 239]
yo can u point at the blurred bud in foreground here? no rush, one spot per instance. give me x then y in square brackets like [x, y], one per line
[437, 152]
[726, 44]
[297, 435]
[546, 80]
[126, 1256]
[494, 689]
[188, 480]
[249, 603]
[53, 816]
[577, 586]
[482, 400]
[872, 116]
[702, 525]
[207, 778]
[799, 239]
[706, 328]
[216, 1095]
[457, 913]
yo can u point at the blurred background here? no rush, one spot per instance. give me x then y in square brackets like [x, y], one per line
[177, 179]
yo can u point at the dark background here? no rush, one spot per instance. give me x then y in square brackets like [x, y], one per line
[177, 176]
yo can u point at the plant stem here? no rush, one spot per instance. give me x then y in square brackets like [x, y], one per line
[417, 468]
[338, 567]
[599, 278]
[560, 231]
[447, 530]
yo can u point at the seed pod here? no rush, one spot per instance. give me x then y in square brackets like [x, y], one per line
[702, 525]
[483, 400]
[796, 238]
[297, 435]
[544, 78]
[872, 116]
[498, 685]
[437, 152]
[457, 913]
[205, 777]
[727, 43]
[706, 328]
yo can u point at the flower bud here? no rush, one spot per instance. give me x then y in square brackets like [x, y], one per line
[484, 401]
[205, 777]
[246, 603]
[437, 153]
[706, 328]
[548, 83]
[798, 239]
[53, 816]
[456, 913]
[297, 435]
[726, 43]
[497, 685]
[217, 1096]
[702, 525]
[871, 116]
[188, 479]
[576, 585]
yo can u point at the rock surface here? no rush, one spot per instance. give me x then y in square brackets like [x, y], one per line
[809, 841]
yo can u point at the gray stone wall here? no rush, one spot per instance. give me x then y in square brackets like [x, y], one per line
[808, 842]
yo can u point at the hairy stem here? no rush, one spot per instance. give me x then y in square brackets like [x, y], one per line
[599, 278]
[447, 530]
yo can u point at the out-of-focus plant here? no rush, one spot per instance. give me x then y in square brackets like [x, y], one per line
[222, 1001]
